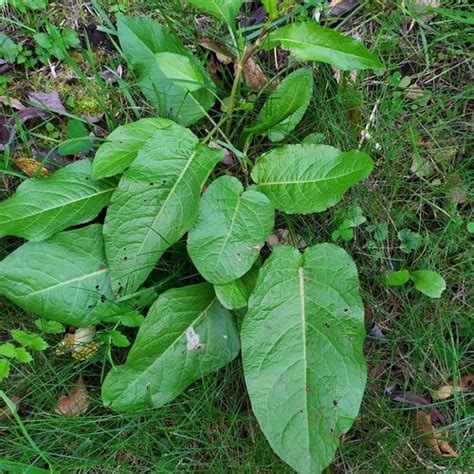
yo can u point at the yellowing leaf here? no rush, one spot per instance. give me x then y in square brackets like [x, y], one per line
[431, 436]
[75, 403]
[445, 391]
[31, 166]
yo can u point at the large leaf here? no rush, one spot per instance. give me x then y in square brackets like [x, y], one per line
[299, 179]
[225, 10]
[285, 107]
[230, 230]
[302, 352]
[181, 71]
[428, 282]
[41, 207]
[142, 38]
[155, 204]
[310, 42]
[63, 278]
[123, 144]
[235, 295]
[186, 335]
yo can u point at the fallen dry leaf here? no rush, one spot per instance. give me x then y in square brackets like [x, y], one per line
[445, 391]
[340, 7]
[75, 403]
[433, 437]
[8, 124]
[223, 55]
[14, 103]
[283, 237]
[47, 100]
[254, 75]
[31, 166]
[410, 398]
[228, 159]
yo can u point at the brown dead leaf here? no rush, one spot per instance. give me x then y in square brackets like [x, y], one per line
[445, 391]
[228, 159]
[433, 437]
[31, 166]
[341, 7]
[254, 75]
[223, 55]
[14, 103]
[283, 237]
[75, 403]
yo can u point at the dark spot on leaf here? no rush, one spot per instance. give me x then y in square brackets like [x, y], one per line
[334, 402]
[164, 182]
[345, 310]
[103, 299]
[97, 287]
[151, 184]
[125, 258]
[326, 324]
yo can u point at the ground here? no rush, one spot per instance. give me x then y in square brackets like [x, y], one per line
[416, 120]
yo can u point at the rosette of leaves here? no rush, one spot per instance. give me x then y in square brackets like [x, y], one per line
[301, 337]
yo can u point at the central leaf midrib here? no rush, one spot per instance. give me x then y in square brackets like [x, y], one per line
[309, 181]
[231, 227]
[64, 283]
[170, 194]
[326, 49]
[68, 203]
[301, 287]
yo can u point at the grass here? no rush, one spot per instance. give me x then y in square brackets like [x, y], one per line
[425, 342]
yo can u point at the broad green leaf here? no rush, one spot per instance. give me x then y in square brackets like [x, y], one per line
[271, 7]
[42, 207]
[428, 282]
[7, 349]
[62, 278]
[4, 368]
[410, 241]
[22, 355]
[231, 228]
[186, 335]
[121, 147]
[155, 204]
[118, 313]
[8, 49]
[299, 179]
[225, 10]
[310, 42]
[49, 327]
[397, 278]
[302, 352]
[235, 295]
[181, 71]
[29, 339]
[285, 107]
[78, 139]
[142, 38]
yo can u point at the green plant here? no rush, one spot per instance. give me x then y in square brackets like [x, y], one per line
[10, 352]
[302, 335]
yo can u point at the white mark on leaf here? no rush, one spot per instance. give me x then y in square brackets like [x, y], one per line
[193, 340]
